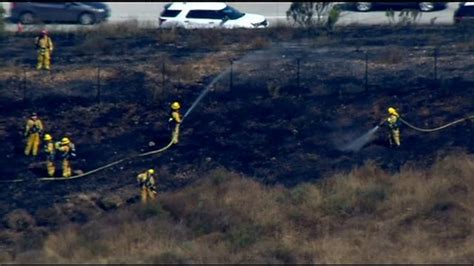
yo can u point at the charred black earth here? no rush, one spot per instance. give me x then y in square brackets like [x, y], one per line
[295, 99]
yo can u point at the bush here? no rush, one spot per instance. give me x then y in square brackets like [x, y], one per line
[407, 17]
[19, 219]
[333, 17]
[2, 20]
[309, 14]
[244, 236]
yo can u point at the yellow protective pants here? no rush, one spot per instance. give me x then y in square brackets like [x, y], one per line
[44, 60]
[394, 137]
[147, 194]
[175, 135]
[50, 167]
[32, 144]
[66, 168]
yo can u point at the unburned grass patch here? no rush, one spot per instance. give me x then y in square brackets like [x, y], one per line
[364, 215]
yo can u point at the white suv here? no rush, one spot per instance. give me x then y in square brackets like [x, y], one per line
[208, 15]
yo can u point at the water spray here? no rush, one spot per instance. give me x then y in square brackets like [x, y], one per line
[204, 92]
[216, 79]
[361, 141]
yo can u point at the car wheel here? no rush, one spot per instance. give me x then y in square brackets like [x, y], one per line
[363, 6]
[426, 6]
[86, 19]
[27, 18]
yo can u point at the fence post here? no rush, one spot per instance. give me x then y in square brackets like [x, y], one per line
[98, 85]
[24, 84]
[163, 76]
[298, 73]
[366, 77]
[435, 55]
[231, 78]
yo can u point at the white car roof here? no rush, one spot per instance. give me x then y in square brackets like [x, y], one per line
[469, 4]
[198, 5]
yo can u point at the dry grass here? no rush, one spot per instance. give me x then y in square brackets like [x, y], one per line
[205, 38]
[167, 36]
[192, 71]
[130, 28]
[254, 44]
[363, 216]
[392, 55]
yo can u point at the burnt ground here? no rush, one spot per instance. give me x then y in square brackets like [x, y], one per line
[271, 125]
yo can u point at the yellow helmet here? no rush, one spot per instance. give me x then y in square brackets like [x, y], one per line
[47, 137]
[151, 171]
[65, 141]
[392, 111]
[175, 106]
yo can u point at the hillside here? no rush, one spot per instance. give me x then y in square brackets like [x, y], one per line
[269, 140]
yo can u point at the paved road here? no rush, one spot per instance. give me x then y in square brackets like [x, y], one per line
[148, 12]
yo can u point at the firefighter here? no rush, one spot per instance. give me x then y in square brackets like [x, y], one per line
[175, 121]
[44, 45]
[393, 124]
[67, 151]
[49, 152]
[146, 181]
[33, 130]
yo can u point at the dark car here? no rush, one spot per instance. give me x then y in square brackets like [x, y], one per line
[81, 12]
[464, 13]
[423, 6]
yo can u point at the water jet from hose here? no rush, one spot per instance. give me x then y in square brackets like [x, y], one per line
[204, 92]
[360, 142]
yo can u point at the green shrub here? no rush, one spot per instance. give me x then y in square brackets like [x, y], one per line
[308, 14]
[2, 20]
[151, 210]
[169, 257]
[333, 17]
[407, 17]
[244, 236]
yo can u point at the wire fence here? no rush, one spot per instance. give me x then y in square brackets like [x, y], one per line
[322, 71]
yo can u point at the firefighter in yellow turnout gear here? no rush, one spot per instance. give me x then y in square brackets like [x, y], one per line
[33, 130]
[146, 181]
[67, 152]
[49, 152]
[44, 45]
[393, 124]
[175, 119]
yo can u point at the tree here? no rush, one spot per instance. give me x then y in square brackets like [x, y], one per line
[308, 14]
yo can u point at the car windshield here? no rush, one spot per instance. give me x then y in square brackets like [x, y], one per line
[232, 13]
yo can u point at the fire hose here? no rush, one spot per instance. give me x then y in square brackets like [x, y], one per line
[437, 128]
[203, 93]
[94, 170]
